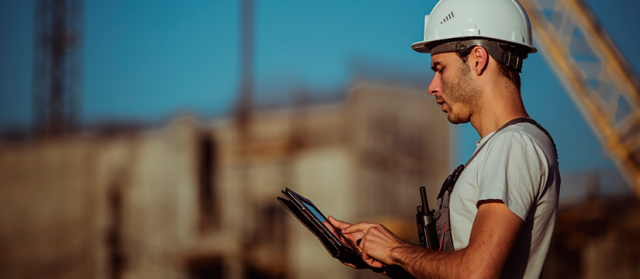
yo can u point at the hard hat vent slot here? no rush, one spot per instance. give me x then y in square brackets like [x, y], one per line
[448, 17]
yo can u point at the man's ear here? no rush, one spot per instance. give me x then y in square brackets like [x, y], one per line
[480, 60]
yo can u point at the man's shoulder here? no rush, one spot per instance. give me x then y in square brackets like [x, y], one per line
[525, 132]
[524, 140]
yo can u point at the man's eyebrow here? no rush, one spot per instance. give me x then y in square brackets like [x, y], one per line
[435, 65]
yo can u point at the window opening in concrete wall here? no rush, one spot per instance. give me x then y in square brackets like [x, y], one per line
[208, 194]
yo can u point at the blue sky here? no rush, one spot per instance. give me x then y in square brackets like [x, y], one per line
[147, 61]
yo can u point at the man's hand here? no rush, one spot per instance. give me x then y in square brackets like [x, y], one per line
[376, 243]
[354, 238]
[339, 225]
[494, 231]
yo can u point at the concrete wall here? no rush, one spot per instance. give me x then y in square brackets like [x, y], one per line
[48, 225]
[199, 201]
[98, 207]
[364, 159]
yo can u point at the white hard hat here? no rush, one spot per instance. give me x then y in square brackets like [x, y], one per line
[501, 26]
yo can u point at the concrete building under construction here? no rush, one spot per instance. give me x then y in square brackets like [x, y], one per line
[198, 200]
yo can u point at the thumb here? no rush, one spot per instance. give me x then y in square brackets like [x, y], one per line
[337, 223]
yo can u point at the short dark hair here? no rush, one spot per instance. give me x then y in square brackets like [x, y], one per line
[510, 73]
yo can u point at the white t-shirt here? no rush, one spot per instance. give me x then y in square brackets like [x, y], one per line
[518, 166]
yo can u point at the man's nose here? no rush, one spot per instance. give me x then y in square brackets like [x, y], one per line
[434, 86]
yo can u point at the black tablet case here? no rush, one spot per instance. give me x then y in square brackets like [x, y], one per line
[335, 248]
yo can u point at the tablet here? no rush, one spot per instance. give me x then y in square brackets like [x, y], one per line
[312, 218]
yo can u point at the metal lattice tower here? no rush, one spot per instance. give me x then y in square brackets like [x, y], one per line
[57, 65]
[245, 100]
[596, 75]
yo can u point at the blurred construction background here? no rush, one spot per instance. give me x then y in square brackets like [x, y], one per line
[150, 139]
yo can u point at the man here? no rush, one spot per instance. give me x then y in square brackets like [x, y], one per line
[498, 219]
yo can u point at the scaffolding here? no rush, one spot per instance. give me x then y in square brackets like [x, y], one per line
[57, 65]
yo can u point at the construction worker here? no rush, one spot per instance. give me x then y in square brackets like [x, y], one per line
[496, 214]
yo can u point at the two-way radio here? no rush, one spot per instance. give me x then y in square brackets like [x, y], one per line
[426, 224]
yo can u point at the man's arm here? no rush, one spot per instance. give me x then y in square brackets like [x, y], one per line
[492, 236]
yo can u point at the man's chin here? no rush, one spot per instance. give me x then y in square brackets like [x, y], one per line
[455, 119]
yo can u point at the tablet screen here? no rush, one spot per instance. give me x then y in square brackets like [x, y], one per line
[321, 218]
[313, 210]
[310, 208]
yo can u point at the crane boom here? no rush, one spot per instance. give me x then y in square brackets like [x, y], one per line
[592, 70]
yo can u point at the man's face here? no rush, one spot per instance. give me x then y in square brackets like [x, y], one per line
[453, 87]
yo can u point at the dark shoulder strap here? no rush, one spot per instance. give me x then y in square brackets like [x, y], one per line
[533, 122]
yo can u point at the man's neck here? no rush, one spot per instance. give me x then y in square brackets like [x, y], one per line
[498, 108]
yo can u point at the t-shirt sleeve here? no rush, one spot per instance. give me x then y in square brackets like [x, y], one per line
[513, 171]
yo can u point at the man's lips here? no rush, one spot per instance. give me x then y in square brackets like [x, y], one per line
[441, 103]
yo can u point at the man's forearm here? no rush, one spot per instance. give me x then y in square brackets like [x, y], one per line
[425, 263]
[494, 231]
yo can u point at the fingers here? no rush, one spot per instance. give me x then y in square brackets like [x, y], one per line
[377, 244]
[373, 263]
[337, 223]
[355, 234]
[372, 251]
[330, 227]
[361, 227]
[366, 257]
[349, 240]
[349, 265]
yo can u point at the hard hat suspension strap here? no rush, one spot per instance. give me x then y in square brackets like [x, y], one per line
[506, 54]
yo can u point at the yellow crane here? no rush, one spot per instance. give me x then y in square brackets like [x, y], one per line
[596, 75]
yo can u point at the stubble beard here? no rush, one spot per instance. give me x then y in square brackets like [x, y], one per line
[462, 90]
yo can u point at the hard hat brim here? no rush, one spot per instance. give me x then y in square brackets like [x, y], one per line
[421, 46]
